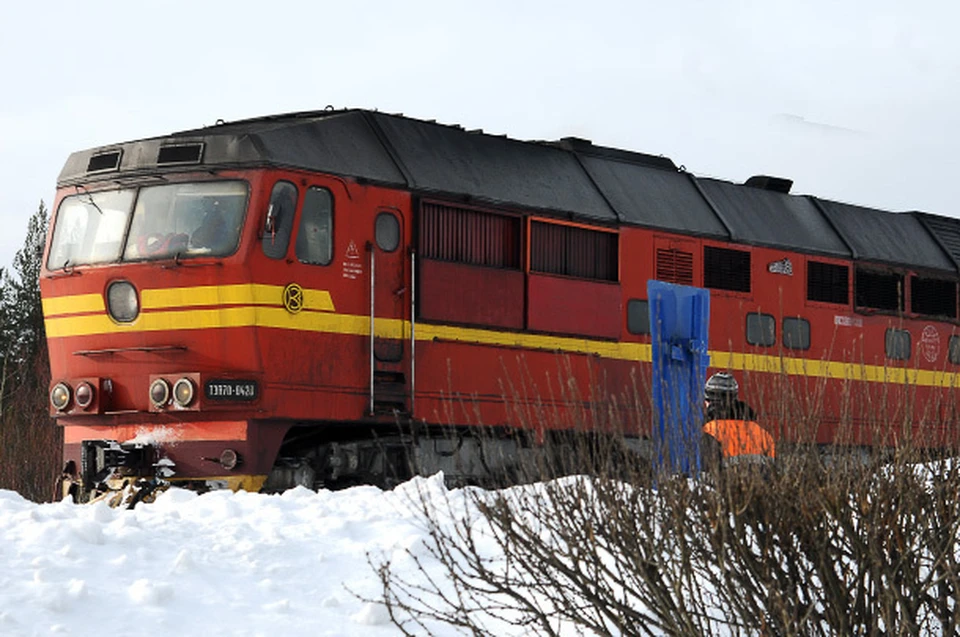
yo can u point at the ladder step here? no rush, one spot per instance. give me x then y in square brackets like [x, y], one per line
[389, 393]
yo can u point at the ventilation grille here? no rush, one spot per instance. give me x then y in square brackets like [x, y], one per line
[933, 297]
[103, 162]
[573, 251]
[464, 235]
[879, 290]
[674, 266]
[828, 283]
[725, 269]
[180, 154]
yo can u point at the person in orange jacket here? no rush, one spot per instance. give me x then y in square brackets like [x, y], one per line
[731, 433]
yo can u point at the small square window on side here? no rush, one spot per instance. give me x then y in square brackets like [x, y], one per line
[796, 333]
[638, 316]
[761, 330]
[953, 350]
[898, 345]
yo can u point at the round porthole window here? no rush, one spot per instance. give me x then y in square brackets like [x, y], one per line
[387, 232]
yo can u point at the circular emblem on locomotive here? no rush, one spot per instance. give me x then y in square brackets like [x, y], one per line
[930, 343]
[293, 298]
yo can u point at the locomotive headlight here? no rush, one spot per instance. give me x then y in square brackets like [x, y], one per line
[159, 392]
[60, 396]
[229, 459]
[122, 303]
[84, 395]
[183, 392]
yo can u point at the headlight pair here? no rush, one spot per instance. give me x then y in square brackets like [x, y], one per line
[183, 392]
[62, 395]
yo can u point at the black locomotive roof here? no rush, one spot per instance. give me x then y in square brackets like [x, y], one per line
[571, 178]
[770, 218]
[886, 237]
[647, 196]
[946, 230]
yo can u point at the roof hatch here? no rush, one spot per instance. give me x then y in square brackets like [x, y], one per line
[766, 182]
[102, 162]
[180, 154]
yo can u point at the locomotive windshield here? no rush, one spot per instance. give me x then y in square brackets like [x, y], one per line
[152, 222]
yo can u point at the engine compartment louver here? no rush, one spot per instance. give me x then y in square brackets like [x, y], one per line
[102, 162]
[180, 154]
[674, 266]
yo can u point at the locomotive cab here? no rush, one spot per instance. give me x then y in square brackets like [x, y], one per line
[129, 264]
[209, 309]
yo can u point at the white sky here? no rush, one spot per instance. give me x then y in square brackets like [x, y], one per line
[854, 100]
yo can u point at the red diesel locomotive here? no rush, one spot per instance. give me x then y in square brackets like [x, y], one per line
[335, 297]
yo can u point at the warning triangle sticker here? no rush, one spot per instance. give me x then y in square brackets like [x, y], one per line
[352, 252]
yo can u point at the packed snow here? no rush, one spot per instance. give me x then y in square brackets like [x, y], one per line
[220, 563]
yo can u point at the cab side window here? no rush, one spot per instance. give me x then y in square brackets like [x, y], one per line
[315, 235]
[279, 222]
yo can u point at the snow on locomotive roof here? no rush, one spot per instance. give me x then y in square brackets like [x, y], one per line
[570, 178]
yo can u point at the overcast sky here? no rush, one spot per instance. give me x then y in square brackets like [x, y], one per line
[856, 101]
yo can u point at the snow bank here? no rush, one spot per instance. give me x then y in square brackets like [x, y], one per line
[215, 564]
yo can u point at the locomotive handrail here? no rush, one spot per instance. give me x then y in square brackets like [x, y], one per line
[119, 350]
[413, 330]
[166, 264]
[373, 278]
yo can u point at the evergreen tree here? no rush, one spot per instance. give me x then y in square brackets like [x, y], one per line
[6, 332]
[24, 309]
[30, 443]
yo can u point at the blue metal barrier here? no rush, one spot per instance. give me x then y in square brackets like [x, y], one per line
[679, 318]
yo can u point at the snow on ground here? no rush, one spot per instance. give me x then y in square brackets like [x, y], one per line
[221, 563]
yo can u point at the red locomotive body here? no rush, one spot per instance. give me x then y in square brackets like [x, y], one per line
[327, 298]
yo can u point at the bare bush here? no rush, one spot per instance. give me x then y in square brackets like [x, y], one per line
[852, 548]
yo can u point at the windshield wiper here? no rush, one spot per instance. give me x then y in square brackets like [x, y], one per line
[67, 270]
[90, 197]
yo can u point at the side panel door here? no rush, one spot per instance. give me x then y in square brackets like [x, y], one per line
[390, 360]
[390, 291]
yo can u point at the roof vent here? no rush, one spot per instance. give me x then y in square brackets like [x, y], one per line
[765, 182]
[102, 162]
[180, 154]
[576, 143]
